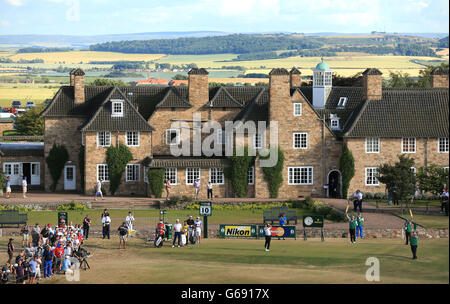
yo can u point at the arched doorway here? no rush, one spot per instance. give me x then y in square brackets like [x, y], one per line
[334, 184]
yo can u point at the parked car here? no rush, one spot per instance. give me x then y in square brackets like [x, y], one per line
[16, 104]
[30, 104]
[7, 115]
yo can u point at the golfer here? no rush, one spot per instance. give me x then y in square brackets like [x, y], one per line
[196, 188]
[130, 221]
[268, 236]
[359, 225]
[198, 229]
[177, 227]
[408, 230]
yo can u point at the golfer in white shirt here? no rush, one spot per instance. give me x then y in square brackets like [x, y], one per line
[177, 227]
[198, 229]
[130, 221]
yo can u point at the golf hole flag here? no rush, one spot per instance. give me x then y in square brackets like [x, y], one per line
[346, 208]
[410, 212]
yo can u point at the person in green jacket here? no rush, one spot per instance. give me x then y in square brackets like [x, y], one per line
[352, 228]
[414, 244]
[408, 230]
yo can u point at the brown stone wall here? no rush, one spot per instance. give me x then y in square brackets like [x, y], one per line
[281, 110]
[373, 87]
[198, 90]
[296, 80]
[5, 126]
[62, 131]
[390, 148]
[97, 155]
[79, 89]
[439, 81]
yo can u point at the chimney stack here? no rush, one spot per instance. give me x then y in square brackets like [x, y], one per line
[373, 84]
[77, 81]
[280, 94]
[198, 87]
[295, 77]
[439, 78]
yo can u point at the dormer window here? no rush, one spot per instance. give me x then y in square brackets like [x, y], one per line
[334, 122]
[116, 108]
[342, 102]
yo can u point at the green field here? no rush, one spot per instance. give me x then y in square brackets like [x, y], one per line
[25, 92]
[230, 261]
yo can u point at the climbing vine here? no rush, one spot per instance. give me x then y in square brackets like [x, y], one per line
[56, 159]
[117, 159]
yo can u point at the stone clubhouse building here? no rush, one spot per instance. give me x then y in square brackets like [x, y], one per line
[314, 122]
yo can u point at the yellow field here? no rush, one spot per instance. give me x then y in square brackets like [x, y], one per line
[75, 57]
[24, 93]
[239, 80]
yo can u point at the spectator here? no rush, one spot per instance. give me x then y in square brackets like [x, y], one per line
[8, 187]
[24, 187]
[177, 227]
[283, 221]
[86, 226]
[25, 231]
[33, 266]
[357, 200]
[130, 220]
[10, 250]
[36, 235]
[45, 233]
[19, 271]
[99, 192]
[67, 266]
[196, 188]
[444, 201]
[123, 231]
[59, 255]
[209, 188]
[48, 259]
[268, 236]
[5, 275]
[359, 225]
[198, 229]
[168, 185]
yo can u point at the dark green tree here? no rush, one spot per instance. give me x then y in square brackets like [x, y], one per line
[399, 179]
[432, 178]
[238, 172]
[109, 82]
[56, 159]
[347, 167]
[81, 165]
[117, 159]
[31, 122]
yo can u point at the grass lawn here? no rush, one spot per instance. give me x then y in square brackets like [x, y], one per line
[245, 261]
[429, 221]
[418, 203]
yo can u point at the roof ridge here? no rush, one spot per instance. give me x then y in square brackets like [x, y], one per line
[173, 90]
[98, 109]
[224, 89]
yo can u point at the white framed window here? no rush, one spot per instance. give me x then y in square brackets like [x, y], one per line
[408, 145]
[298, 109]
[216, 176]
[103, 172]
[172, 137]
[7, 169]
[251, 176]
[191, 175]
[372, 145]
[300, 140]
[300, 175]
[342, 102]
[371, 176]
[132, 173]
[35, 168]
[413, 170]
[117, 108]
[258, 142]
[132, 139]
[171, 173]
[104, 139]
[443, 145]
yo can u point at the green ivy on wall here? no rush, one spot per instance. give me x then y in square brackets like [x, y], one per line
[347, 167]
[273, 175]
[117, 159]
[156, 180]
[238, 172]
[56, 159]
[81, 165]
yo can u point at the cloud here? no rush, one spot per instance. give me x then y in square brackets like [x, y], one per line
[15, 2]
[4, 23]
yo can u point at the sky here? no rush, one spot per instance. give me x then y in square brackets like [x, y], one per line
[97, 17]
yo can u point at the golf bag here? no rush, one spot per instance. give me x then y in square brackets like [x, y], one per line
[183, 239]
[159, 241]
[191, 234]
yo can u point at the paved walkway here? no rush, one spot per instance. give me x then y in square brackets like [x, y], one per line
[373, 220]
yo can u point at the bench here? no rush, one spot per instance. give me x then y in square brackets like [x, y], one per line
[12, 217]
[275, 213]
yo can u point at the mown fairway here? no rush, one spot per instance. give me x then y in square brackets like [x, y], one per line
[245, 261]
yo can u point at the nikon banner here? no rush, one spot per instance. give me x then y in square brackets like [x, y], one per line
[279, 231]
[239, 231]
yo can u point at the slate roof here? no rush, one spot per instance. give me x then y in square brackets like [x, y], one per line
[191, 162]
[223, 99]
[173, 99]
[103, 121]
[22, 149]
[403, 112]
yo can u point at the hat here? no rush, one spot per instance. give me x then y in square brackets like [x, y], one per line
[67, 257]
[11, 239]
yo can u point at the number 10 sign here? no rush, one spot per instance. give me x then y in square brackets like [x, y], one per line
[205, 208]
